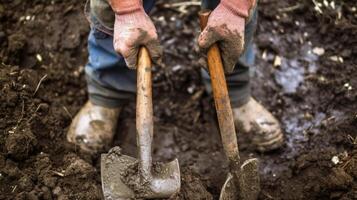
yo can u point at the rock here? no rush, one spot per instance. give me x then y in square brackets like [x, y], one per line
[57, 191]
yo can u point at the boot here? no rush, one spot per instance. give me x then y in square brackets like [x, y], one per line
[254, 119]
[94, 127]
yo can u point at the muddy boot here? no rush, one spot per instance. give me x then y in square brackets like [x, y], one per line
[93, 128]
[254, 119]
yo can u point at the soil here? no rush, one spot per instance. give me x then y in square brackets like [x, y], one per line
[305, 74]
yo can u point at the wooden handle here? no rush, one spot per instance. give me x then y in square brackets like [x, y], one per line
[221, 99]
[144, 111]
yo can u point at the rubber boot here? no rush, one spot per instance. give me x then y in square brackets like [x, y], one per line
[94, 127]
[253, 118]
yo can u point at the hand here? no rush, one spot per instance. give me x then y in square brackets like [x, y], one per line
[225, 27]
[133, 28]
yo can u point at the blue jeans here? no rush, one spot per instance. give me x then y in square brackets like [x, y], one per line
[111, 83]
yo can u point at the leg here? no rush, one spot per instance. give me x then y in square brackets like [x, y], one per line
[110, 82]
[110, 85]
[239, 81]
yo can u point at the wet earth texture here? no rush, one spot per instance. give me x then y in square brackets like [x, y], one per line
[305, 74]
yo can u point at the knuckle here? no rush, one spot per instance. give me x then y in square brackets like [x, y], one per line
[153, 36]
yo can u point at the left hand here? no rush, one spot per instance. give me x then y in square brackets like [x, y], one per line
[226, 26]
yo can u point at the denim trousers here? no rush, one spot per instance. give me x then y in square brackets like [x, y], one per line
[111, 84]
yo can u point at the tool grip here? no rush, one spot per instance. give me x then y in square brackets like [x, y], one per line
[144, 112]
[221, 99]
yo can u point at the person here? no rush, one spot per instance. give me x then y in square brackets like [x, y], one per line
[120, 27]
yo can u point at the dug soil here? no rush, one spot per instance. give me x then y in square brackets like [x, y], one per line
[305, 74]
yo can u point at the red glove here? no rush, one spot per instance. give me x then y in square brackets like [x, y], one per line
[133, 28]
[226, 26]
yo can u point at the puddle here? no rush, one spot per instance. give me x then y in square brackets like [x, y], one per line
[296, 127]
[291, 73]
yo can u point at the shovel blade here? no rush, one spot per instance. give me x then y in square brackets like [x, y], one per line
[166, 179]
[111, 172]
[248, 187]
[250, 183]
[229, 190]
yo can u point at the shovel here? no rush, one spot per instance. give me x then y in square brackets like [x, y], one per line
[243, 180]
[125, 177]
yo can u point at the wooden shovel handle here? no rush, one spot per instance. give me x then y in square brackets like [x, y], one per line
[221, 99]
[144, 112]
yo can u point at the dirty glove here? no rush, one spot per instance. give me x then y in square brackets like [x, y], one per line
[133, 28]
[226, 26]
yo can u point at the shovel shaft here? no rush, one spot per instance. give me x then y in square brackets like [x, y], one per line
[144, 112]
[222, 101]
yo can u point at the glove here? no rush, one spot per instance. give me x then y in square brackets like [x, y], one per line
[226, 26]
[133, 28]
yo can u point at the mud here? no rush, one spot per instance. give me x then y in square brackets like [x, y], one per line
[42, 86]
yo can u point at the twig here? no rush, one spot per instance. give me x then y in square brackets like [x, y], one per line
[291, 8]
[346, 163]
[34, 113]
[58, 173]
[68, 113]
[39, 83]
[182, 4]
[22, 113]
[13, 190]
[352, 140]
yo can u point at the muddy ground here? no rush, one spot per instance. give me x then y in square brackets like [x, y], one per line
[305, 74]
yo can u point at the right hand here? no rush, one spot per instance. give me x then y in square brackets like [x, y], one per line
[133, 28]
[226, 27]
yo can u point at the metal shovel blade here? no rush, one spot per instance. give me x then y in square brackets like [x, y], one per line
[115, 169]
[247, 188]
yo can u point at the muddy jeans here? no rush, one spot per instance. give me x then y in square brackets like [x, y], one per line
[111, 83]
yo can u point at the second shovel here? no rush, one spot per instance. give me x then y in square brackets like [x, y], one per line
[243, 180]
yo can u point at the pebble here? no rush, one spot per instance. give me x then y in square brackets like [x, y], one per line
[335, 160]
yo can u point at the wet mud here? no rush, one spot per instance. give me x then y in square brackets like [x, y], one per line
[312, 92]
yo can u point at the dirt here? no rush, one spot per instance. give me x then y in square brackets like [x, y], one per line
[313, 94]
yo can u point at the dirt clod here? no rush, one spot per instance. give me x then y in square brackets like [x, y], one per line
[78, 166]
[192, 188]
[20, 143]
[338, 179]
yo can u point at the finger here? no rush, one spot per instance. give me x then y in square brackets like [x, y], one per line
[208, 37]
[231, 51]
[129, 53]
[155, 50]
[131, 58]
[229, 62]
